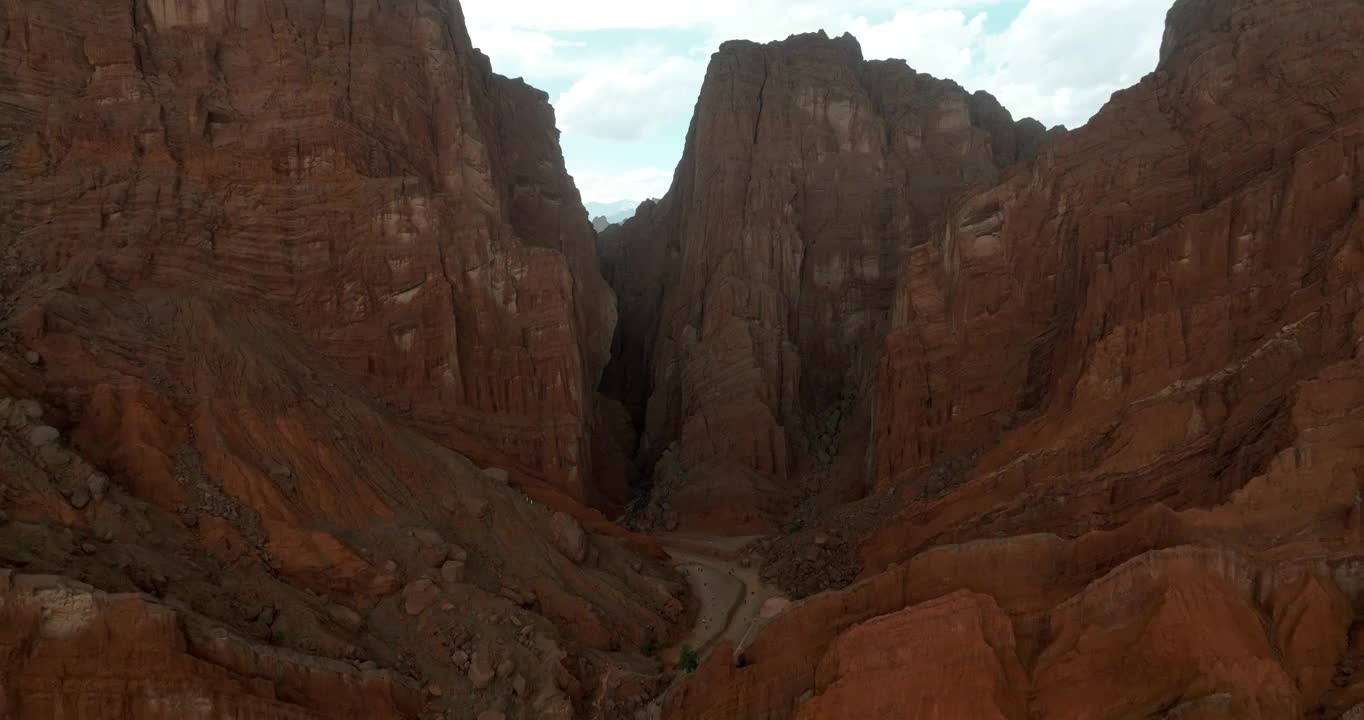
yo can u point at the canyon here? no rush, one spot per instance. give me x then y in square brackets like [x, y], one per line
[322, 397]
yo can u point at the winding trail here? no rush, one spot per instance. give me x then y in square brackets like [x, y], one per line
[735, 604]
[734, 600]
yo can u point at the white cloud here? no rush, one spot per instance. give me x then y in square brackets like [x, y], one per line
[1057, 61]
[642, 184]
[739, 18]
[937, 42]
[524, 53]
[1060, 60]
[618, 102]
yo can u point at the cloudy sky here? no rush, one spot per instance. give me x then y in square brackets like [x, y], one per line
[624, 74]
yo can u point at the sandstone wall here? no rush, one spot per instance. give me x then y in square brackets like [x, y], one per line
[756, 293]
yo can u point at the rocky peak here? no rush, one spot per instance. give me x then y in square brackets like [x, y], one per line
[756, 293]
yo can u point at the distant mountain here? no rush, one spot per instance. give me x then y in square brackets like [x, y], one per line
[614, 212]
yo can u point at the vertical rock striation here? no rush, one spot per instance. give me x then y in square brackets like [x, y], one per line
[354, 168]
[1139, 356]
[756, 293]
[274, 272]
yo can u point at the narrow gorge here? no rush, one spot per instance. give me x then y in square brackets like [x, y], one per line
[322, 397]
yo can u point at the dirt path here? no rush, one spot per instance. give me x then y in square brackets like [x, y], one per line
[735, 601]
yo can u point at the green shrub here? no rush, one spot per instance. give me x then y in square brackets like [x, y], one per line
[689, 660]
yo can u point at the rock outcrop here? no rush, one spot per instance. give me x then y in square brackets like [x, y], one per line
[756, 293]
[369, 182]
[1117, 422]
[280, 278]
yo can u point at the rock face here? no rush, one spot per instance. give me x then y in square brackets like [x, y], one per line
[1164, 303]
[374, 187]
[84, 646]
[756, 292]
[1117, 422]
[294, 271]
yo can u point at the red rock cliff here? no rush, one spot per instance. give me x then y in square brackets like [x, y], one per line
[354, 168]
[274, 271]
[1117, 421]
[756, 293]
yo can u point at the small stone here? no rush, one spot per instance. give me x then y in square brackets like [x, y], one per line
[821, 539]
[563, 679]
[497, 475]
[346, 617]
[506, 668]
[80, 498]
[43, 435]
[390, 567]
[418, 596]
[33, 358]
[426, 536]
[434, 690]
[53, 456]
[266, 616]
[88, 548]
[447, 607]
[433, 555]
[519, 685]
[477, 507]
[458, 553]
[460, 659]
[369, 666]
[481, 672]
[636, 565]
[31, 409]
[569, 536]
[98, 483]
[452, 572]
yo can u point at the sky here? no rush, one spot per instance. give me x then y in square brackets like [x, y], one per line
[624, 75]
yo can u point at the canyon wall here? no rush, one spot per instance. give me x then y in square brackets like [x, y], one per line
[302, 328]
[356, 169]
[755, 295]
[1116, 432]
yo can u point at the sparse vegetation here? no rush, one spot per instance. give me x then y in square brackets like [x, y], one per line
[689, 660]
[650, 649]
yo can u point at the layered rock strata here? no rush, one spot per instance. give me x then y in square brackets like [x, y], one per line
[757, 292]
[1117, 420]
